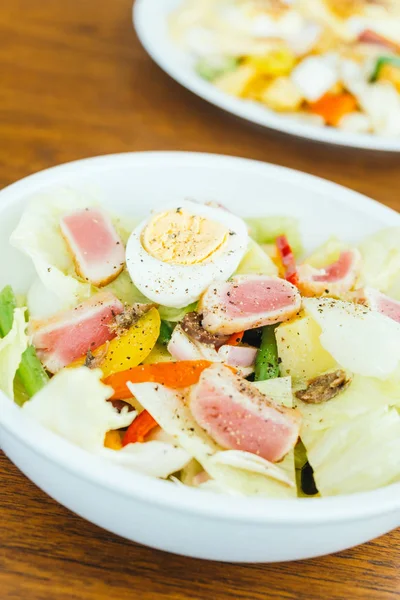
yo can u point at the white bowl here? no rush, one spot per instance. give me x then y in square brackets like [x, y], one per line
[150, 21]
[158, 513]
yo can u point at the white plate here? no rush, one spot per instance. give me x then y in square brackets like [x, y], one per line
[150, 20]
[158, 513]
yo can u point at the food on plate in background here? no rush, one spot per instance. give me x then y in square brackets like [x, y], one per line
[209, 349]
[323, 62]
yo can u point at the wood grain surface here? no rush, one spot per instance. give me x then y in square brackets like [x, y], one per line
[75, 82]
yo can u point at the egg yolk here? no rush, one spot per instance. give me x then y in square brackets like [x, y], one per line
[179, 237]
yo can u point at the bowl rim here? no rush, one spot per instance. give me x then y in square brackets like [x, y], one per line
[165, 494]
[143, 21]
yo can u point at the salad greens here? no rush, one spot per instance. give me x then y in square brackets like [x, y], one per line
[30, 375]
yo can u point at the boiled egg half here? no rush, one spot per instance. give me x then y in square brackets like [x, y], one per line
[174, 255]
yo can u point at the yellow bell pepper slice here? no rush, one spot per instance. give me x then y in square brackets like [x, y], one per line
[280, 61]
[131, 348]
[113, 440]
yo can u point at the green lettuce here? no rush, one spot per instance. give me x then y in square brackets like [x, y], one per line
[265, 230]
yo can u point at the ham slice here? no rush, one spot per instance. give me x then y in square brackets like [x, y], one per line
[334, 280]
[383, 304]
[97, 249]
[239, 417]
[248, 301]
[68, 335]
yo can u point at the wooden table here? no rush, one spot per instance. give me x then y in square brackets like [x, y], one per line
[74, 83]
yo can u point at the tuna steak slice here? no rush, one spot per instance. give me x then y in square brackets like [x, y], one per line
[248, 301]
[382, 304]
[97, 249]
[239, 417]
[68, 335]
[334, 279]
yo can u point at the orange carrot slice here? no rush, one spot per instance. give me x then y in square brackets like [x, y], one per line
[139, 428]
[235, 338]
[173, 375]
[332, 107]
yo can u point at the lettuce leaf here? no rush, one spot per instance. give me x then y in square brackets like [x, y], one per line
[356, 430]
[326, 254]
[265, 230]
[175, 314]
[357, 455]
[363, 395]
[256, 261]
[155, 458]
[381, 261]
[74, 405]
[360, 340]
[12, 346]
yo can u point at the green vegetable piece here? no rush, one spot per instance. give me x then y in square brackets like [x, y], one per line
[20, 393]
[8, 304]
[30, 376]
[384, 60]
[175, 314]
[165, 333]
[211, 68]
[265, 230]
[267, 361]
[31, 372]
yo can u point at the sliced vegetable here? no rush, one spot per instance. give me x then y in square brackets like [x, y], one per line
[235, 83]
[139, 428]
[393, 61]
[279, 61]
[265, 230]
[74, 405]
[332, 107]
[129, 349]
[267, 360]
[357, 455]
[368, 36]
[282, 95]
[287, 257]
[154, 458]
[30, 376]
[8, 304]
[157, 355]
[212, 67]
[256, 261]
[12, 346]
[173, 375]
[235, 339]
[112, 440]
[175, 314]
[31, 372]
[165, 333]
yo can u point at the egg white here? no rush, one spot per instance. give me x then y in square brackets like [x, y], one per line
[175, 285]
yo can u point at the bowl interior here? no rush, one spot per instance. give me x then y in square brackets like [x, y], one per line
[132, 184]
